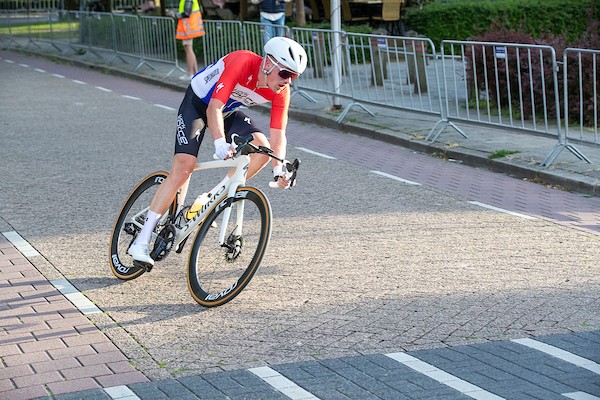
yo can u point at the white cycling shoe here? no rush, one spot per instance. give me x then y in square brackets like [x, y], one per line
[140, 253]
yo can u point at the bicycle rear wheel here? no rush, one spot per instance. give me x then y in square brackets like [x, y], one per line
[218, 273]
[129, 224]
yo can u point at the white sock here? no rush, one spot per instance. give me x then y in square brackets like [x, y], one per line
[214, 190]
[145, 235]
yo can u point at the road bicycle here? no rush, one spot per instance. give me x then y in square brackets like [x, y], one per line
[234, 227]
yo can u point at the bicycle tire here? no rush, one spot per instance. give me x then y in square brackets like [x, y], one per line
[217, 274]
[121, 263]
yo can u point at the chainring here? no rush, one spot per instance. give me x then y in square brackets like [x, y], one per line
[164, 242]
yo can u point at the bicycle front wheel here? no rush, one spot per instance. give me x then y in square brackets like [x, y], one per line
[129, 225]
[218, 272]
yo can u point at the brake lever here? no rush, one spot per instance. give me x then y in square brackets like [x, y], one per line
[293, 168]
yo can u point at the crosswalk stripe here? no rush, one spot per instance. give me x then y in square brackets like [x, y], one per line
[282, 384]
[561, 354]
[466, 388]
[580, 396]
[121, 393]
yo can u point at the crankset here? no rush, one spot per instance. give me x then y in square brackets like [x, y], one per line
[164, 242]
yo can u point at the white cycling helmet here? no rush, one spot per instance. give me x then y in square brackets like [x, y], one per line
[288, 53]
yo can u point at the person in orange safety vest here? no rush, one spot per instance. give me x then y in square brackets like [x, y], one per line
[189, 26]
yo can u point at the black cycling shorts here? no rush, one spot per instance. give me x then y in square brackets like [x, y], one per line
[191, 124]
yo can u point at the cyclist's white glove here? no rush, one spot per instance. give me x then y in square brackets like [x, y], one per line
[222, 149]
[279, 170]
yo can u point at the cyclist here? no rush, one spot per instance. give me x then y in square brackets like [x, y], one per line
[241, 78]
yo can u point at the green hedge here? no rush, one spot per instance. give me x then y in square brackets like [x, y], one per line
[463, 19]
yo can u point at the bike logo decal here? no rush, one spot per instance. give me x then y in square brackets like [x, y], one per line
[225, 203]
[215, 296]
[241, 194]
[205, 207]
[159, 179]
[118, 266]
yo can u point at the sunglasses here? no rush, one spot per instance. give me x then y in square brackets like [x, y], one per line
[284, 73]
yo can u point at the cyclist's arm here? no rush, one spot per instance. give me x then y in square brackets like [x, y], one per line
[278, 143]
[278, 124]
[214, 118]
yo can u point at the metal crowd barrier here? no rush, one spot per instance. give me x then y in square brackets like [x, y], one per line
[28, 5]
[506, 85]
[391, 71]
[498, 84]
[581, 94]
[502, 84]
[253, 33]
[107, 37]
[157, 42]
[221, 38]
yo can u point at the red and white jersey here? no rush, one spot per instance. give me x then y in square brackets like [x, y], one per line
[233, 80]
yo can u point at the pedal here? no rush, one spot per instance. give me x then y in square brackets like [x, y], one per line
[146, 266]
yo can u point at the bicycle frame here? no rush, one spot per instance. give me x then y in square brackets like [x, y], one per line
[219, 199]
[228, 190]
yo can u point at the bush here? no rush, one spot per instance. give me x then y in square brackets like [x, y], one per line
[531, 66]
[461, 19]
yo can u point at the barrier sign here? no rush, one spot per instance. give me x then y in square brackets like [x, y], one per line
[500, 52]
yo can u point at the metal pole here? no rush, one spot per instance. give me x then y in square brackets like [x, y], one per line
[336, 26]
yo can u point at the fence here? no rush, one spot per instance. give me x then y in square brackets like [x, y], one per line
[581, 84]
[505, 85]
[132, 39]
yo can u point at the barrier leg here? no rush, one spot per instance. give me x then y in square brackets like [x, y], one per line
[446, 123]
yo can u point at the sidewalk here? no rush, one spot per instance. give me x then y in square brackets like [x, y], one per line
[48, 333]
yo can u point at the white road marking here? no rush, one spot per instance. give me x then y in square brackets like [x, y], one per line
[502, 210]
[121, 393]
[131, 97]
[397, 178]
[580, 396]
[21, 244]
[103, 89]
[561, 354]
[282, 384]
[466, 388]
[304, 149]
[82, 303]
[165, 107]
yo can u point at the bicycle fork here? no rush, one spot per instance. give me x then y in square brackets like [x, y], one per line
[239, 221]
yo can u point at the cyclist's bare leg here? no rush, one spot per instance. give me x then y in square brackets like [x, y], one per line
[183, 166]
[183, 194]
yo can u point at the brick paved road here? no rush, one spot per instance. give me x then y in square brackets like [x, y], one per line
[386, 266]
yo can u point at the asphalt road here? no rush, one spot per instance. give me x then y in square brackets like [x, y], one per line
[359, 263]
